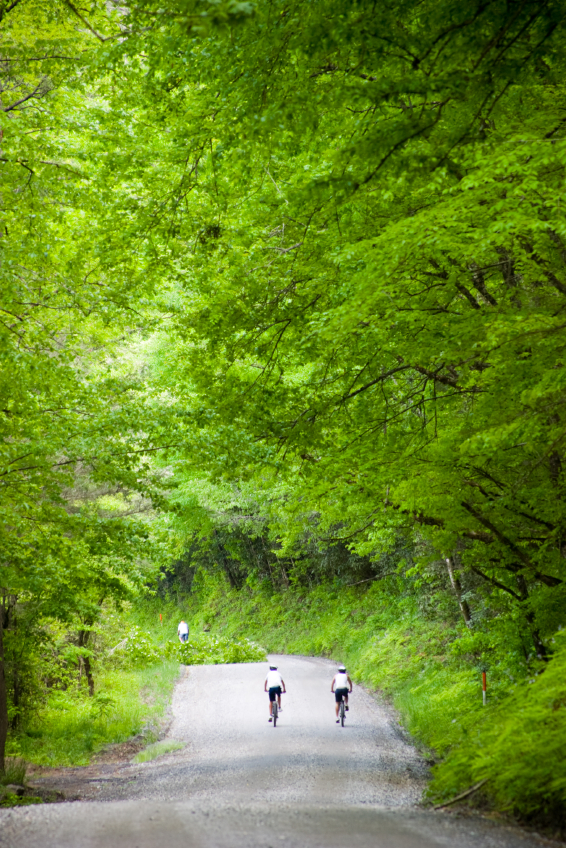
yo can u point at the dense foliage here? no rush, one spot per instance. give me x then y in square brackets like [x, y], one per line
[283, 294]
[366, 250]
[74, 481]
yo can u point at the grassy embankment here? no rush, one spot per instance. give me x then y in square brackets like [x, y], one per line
[70, 726]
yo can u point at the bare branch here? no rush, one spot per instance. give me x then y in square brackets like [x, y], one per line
[84, 20]
[373, 382]
[462, 795]
[23, 99]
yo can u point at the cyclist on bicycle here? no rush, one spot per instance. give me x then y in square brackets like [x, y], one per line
[341, 686]
[273, 684]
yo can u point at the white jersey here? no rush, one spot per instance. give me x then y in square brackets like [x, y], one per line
[341, 681]
[273, 679]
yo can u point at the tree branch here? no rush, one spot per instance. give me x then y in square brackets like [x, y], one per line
[23, 99]
[495, 582]
[374, 382]
[7, 11]
[463, 795]
[498, 534]
[84, 20]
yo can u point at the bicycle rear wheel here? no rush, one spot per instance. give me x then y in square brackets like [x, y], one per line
[274, 713]
[342, 712]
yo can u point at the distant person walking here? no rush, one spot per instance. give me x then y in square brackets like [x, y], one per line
[183, 631]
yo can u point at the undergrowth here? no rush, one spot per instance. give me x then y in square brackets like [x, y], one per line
[11, 800]
[14, 772]
[71, 726]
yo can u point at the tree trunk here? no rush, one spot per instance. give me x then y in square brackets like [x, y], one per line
[265, 553]
[226, 562]
[457, 586]
[540, 647]
[89, 677]
[84, 636]
[555, 466]
[16, 697]
[3, 696]
[284, 575]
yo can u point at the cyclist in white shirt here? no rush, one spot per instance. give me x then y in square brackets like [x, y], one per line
[273, 684]
[341, 686]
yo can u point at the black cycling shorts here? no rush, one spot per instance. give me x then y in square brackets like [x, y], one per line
[339, 693]
[273, 692]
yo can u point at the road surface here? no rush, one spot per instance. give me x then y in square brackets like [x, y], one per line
[241, 783]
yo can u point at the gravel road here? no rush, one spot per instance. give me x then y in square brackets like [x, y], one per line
[240, 783]
[234, 754]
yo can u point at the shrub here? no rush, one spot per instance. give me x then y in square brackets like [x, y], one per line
[137, 649]
[216, 650]
[518, 748]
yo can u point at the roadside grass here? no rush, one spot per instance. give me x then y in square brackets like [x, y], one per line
[72, 727]
[10, 800]
[157, 749]
[14, 772]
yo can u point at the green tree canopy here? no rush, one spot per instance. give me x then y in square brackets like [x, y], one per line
[362, 219]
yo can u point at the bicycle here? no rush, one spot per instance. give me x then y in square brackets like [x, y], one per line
[274, 711]
[342, 712]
